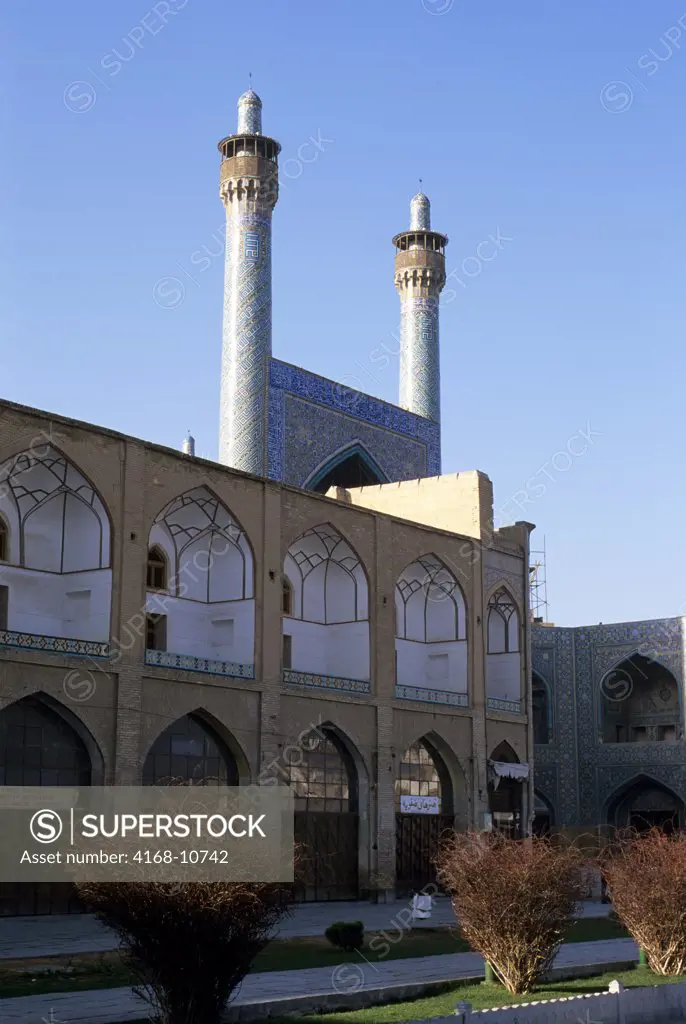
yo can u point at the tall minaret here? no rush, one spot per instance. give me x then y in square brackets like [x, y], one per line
[249, 188]
[419, 278]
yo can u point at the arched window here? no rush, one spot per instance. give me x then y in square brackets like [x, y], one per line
[323, 779]
[329, 583]
[157, 569]
[209, 554]
[4, 541]
[429, 603]
[189, 749]
[330, 602]
[424, 810]
[541, 710]
[418, 775]
[38, 748]
[639, 702]
[286, 597]
[503, 624]
[60, 521]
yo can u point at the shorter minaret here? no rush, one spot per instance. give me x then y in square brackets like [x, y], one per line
[419, 279]
[188, 446]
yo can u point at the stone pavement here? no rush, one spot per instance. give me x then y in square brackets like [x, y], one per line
[109, 1005]
[64, 935]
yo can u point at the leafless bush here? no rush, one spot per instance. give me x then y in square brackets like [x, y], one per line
[645, 876]
[189, 944]
[513, 899]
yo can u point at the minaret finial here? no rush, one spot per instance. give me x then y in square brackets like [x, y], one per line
[249, 113]
[420, 212]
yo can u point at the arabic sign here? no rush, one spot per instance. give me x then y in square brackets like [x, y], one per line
[420, 804]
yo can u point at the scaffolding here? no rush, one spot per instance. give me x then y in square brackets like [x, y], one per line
[538, 587]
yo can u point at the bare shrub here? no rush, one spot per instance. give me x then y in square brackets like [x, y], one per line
[513, 900]
[645, 874]
[190, 944]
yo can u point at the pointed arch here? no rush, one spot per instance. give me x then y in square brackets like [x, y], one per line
[644, 801]
[639, 700]
[62, 523]
[431, 796]
[54, 728]
[196, 746]
[59, 549]
[157, 575]
[211, 557]
[44, 743]
[423, 772]
[542, 709]
[430, 603]
[327, 632]
[331, 789]
[544, 814]
[503, 622]
[505, 752]
[505, 792]
[352, 465]
[328, 577]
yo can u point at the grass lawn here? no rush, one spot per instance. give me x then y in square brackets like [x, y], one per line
[481, 997]
[105, 970]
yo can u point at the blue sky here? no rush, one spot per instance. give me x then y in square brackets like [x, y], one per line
[549, 126]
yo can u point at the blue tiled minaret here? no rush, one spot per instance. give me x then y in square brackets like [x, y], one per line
[419, 279]
[249, 190]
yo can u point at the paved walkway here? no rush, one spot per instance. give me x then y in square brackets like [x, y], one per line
[22, 937]
[109, 1005]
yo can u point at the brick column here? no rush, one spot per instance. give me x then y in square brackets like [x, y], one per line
[128, 618]
[383, 685]
[269, 568]
[386, 769]
[477, 662]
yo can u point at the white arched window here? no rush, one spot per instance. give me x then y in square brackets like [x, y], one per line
[328, 631]
[503, 623]
[203, 557]
[503, 660]
[56, 543]
[429, 603]
[431, 633]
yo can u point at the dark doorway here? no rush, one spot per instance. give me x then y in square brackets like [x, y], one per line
[543, 816]
[645, 804]
[645, 820]
[424, 777]
[326, 823]
[505, 795]
[354, 470]
[39, 748]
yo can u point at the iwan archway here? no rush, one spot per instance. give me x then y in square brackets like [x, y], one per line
[352, 466]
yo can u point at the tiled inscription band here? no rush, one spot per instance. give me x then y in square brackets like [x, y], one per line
[197, 833]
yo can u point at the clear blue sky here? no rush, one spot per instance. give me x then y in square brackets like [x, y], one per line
[108, 186]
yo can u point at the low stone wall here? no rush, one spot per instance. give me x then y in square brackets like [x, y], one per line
[659, 1004]
[369, 995]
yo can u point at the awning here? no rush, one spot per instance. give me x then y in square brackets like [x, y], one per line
[498, 770]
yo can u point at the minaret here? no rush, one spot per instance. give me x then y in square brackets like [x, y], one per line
[419, 278]
[188, 445]
[249, 189]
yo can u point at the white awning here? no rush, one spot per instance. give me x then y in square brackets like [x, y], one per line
[498, 770]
